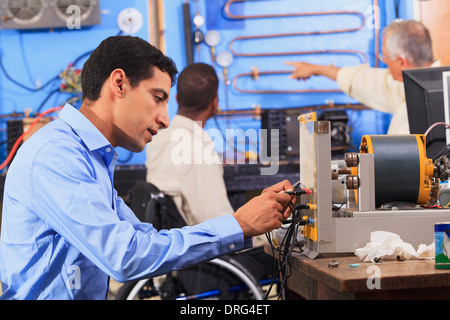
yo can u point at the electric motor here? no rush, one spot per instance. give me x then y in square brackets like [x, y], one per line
[402, 170]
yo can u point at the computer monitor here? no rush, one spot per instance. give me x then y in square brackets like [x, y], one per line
[425, 104]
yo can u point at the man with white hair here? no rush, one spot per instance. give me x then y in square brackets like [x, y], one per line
[406, 45]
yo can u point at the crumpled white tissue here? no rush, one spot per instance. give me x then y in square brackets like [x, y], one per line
[388, 245]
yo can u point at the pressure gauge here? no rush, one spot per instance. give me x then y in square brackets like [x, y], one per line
[224, 59]
[130, 20]
[212, 38]
[198, 21]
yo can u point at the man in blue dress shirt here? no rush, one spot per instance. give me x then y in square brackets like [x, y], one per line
[65, 231]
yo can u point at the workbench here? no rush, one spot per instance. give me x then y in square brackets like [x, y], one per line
[316, 279]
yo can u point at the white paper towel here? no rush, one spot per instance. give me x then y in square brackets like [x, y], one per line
[388, 245]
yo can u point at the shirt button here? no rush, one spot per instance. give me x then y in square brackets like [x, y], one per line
[232, 246]
[108, 149]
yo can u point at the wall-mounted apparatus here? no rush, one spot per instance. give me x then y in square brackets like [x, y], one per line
[42, 14]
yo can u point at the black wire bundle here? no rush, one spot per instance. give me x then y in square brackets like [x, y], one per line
[56, 77]
[282, 251]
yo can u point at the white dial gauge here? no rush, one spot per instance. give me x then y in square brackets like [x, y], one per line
[212, 38]
[198, 21]
[130, 20]
[224, 59]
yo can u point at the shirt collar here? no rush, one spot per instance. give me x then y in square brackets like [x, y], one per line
[185, 122]
[436, 63]
[91, 136]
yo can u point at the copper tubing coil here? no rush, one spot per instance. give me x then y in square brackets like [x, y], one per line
[376, 22]
[282, 15]
[311, 52]
[255, 74]
[230, 15]
[363, 21]
[280, 35]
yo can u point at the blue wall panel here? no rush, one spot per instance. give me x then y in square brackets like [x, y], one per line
[231, 96]
[36, 56]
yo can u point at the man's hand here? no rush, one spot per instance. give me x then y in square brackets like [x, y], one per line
[304, 70]
[265, 212]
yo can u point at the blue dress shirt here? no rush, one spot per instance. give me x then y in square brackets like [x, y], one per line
[65, 230]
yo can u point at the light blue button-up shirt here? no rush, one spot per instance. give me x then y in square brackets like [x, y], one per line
[65, 230]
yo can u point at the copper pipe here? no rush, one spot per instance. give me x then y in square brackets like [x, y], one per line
[257, 111]
[255, 74]
[331, 106]
[281, 15]
[247, 112]
[362, 55]
[13, 114]
[280, 35]
[303, 14]
[363, 19]
[377, 31]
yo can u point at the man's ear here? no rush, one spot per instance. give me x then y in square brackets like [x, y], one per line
[215, 105]
[404, 62]
[118, 82]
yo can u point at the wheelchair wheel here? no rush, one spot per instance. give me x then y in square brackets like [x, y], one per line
[215, 279]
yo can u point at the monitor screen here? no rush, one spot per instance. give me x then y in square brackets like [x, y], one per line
[425, 104]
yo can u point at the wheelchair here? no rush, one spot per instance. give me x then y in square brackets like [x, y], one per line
[235, 276]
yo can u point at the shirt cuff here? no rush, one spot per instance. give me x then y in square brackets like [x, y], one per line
[230, 232]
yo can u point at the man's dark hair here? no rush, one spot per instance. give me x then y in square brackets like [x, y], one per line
[197, 87]
[135, 56]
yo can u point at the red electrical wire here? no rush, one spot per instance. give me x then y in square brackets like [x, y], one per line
[19, 140]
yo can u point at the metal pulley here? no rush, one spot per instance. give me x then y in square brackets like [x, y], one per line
[352, 182]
